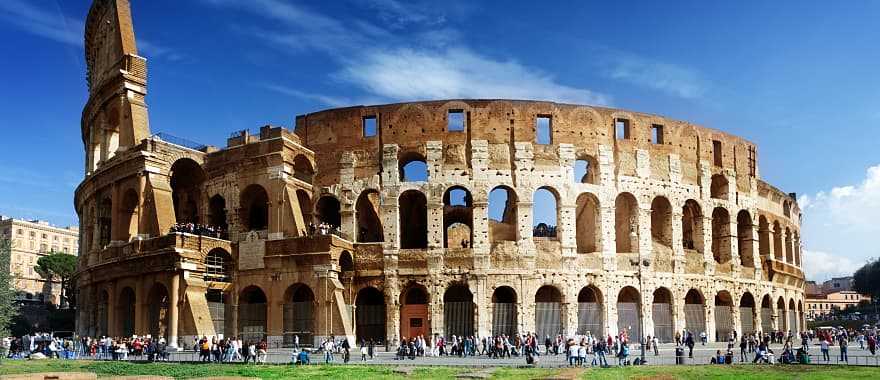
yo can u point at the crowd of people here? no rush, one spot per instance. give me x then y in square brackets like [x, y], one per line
[200, 229]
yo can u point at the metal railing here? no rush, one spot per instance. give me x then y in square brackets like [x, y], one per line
[180, 141]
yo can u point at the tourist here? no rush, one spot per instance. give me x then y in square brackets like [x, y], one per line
[655, 344]
[843, 342]
[703, 337]
[743, 348]
[823, 346]
[689, 342]
[328, 348]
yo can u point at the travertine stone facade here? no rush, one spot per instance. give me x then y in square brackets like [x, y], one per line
[660, 225]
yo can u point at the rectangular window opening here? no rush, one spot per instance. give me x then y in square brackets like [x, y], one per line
[543, 126]
[657, 134]
[716, 152]
[369, 126]
[455, 121]
[621, 129]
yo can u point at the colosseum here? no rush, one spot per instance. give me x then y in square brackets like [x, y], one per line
[464, 217]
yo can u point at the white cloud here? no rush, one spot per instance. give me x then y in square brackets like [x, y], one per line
[323, 99]
[840, 227]
[673, 79]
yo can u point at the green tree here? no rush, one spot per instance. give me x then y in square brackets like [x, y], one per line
[8, 308]
[866, 280]
[60, 266]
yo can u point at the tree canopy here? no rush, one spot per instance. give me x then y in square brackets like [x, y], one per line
[866, 280]
[8, 309]
[61, 266]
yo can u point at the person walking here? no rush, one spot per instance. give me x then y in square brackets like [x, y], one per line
[689, 342]
[843, 342]
[823, 346]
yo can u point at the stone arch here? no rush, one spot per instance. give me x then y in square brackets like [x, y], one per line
[661, 226]
[692, 226]
[252, 304]
[545, 212]
[105, 221]
[723, 316]
[763, 236]
[694, 312]
[187, 177]
[158, 302]
[745, 239]
[629, 313]
[370, 315]
[796, 244]
[786, 208]
[721, 235]
[789, 255]
[781, 318]
[217, 213]
[218, 265]
[369, 225]
[254, 203]
[305, 205]
[328, 210]
[414, 311]
[626, 223]
[766, 314]
[662, 314]
[719, 187]
[102, 314]
[548, 312]
[503, 222]
[346, 263]
[458, 310]
[218, 308]
[458, 215]
[125, 311]
[504, 315]
[413, 167]
[591, 312]
[747, 314]
[413, 220]
[586, 169]
[588, 223]
[793, 324]
[303, 168]
[129, 215]
[299, 314]
[778, 253]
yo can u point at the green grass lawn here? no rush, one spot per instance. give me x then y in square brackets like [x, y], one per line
[385, 372]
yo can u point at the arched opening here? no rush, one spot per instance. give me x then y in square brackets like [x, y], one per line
[305, 206]
[252, 314]
[800, 316]
[328, 212]
[504, 321]
[186, 188]
[661, 227]
[747, 314]
[458, 311]
[346, 263]
[218, 266]
[413, 220]
[457, 218]
[723, 316]
[586, 170]
[626, 223]
[158, 301]
[302, 168]
[786, 209]
[719, 187]
[299, 315]
[778, 253]
[766, 314]
[414, 312]
[590, 312]
[370, 315]
[588, 223]
[692, 226]
[789, 255]
[369, 225]
[629, 315]
[254, 208]
[101, 313]
[661, 310]
[105, 220]
[413, 167]
[217, 306]
[745, 239]
[793, 324]
[502, 214]
[797, 249]
[763, 237]
[721, 235]
[545, 213]
[548, 312]
[782, 318]
[694, 312]
[125, 312]
[217, 214]
[128, 215]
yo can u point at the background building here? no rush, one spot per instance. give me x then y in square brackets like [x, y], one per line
[831, 295]
[30, 240]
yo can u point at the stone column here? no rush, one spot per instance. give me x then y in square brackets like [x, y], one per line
[734, 247]
[609, 236]
[708, 254]
[678, 258]
[140, 308]
[173, 310]
[710, 321]
[392, 312]
[484, 307]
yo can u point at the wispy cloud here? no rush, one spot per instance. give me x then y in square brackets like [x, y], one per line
[332, 101]
[673, 79]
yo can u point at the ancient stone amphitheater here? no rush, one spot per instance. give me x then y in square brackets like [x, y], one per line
[464, 217]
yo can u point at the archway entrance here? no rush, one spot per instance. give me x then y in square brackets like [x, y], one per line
[101, 328]
[723, 316]
[458, 311]
[414, 313]
[217, 307]
[590, 312]
[370, 315]
[766, 314]
[694, 312]
[504, 311]
[158, 301]
[629, 315]
[747, 314]
[662, 313]
[792, 317]
[782, 323]
[126, 312]
[548, 312]
[252, 314]
[299, 315]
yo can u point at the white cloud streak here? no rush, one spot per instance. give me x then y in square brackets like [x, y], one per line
[672, 79]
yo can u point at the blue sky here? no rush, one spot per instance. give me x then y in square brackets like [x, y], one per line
[798, 78]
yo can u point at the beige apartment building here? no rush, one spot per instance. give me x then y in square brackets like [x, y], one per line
[32, 239]
[823, 304]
